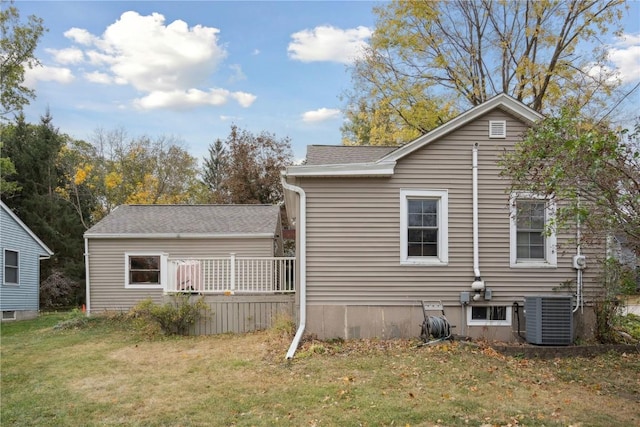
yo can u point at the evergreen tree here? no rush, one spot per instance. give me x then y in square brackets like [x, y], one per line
[34, 150]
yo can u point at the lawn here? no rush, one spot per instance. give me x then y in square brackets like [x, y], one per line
[109, 373]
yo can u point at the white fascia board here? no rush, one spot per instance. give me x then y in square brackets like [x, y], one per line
[349, 169]
[177, 235]
[502, 101]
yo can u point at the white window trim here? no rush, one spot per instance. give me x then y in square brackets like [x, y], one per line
[4, 266]
[551, 251]
[164, 270]
[484, 322]
[443, 227]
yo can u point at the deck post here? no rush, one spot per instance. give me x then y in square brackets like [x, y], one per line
[232, 278]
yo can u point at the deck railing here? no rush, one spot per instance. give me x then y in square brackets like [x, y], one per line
[232, 274]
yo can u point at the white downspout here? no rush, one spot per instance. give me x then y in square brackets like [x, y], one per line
[86, 268]
[301, 227]
[478, 283]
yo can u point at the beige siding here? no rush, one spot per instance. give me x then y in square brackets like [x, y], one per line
[107, 264]
[353, 232]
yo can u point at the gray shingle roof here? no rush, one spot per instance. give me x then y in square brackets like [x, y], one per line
[188, 219]
[343, 154]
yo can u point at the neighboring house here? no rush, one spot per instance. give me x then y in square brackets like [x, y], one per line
[622, 252]
[381, 229]
[22, 251]
[149, 251]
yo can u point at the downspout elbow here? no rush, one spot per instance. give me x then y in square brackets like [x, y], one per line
[301, 226]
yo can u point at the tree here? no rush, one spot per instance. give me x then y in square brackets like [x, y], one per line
[8, 187]
[592, 171]
[247, 167]
[213, 171]
[429, 60]
[18, 43]
[115, 170]
[34, 150]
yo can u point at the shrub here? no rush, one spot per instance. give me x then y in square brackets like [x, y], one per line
[75, 319]
[175, 317]
[58, 290]
[616, 280]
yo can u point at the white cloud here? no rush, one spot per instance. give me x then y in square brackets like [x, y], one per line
[167, 63]
[80, 36]
[155, 57]
[98, 77]
[238, 74]
[320, 115]
[327, 43]
[66, 56]
[244, 99]
[180, 99]
[45, 73]
[625, 56]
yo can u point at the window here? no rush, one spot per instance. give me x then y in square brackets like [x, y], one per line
[424, 227]
[11, 267]
[531, 243]
[145, 270]
[9, 315]
[495, 315]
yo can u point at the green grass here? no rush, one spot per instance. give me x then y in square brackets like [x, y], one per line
[106, 373]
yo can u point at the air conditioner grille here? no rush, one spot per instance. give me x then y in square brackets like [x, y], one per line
[549, 319]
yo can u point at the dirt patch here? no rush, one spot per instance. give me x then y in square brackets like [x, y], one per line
[552, 352]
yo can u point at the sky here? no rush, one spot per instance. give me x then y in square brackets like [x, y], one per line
[191, 69]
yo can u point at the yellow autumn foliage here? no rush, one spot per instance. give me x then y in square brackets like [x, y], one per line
[112, 180]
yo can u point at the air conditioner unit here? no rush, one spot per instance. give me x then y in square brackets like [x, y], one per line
[549, 319]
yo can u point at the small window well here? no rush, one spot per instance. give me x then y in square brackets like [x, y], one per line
[9, 315]
[497, 129]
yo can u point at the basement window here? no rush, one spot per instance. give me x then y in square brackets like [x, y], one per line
[9, 315]
[488, 315]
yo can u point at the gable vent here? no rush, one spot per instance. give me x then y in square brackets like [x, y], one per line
[497, 129]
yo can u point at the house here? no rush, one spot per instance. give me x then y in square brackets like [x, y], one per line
[380, 230]
[22, 251]
[231, 254]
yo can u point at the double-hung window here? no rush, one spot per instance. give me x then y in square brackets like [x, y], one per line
[11, 267]
[424, 227]
[145, 270]
[533, 244]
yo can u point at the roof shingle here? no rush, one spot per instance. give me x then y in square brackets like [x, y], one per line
[188, 219]
[344, 154]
